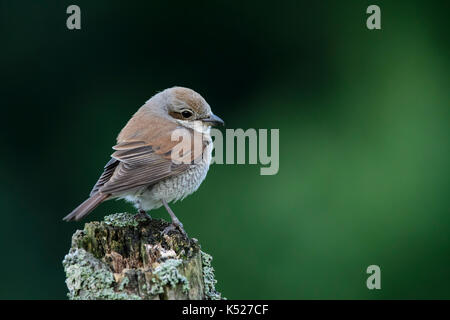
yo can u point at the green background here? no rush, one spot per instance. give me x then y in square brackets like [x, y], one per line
[364, 149]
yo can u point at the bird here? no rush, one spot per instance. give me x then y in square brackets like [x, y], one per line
[148, 167]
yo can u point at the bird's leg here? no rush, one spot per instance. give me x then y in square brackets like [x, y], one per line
[141, 212]
[175, 222]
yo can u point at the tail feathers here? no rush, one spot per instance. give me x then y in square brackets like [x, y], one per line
[86, 207]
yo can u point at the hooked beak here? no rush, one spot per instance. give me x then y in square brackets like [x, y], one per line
[214, 120]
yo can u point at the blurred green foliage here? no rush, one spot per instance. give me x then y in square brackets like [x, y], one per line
[363, 118]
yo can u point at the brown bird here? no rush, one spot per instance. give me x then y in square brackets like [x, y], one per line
[148, 167]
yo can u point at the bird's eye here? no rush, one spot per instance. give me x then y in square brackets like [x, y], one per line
[186, 113]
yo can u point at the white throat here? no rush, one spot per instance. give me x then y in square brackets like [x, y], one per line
[197, 126]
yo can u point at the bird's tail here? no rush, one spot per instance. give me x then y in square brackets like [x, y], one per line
[86, 207]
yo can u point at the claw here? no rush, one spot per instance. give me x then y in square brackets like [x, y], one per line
[142, 215]
[174, 227]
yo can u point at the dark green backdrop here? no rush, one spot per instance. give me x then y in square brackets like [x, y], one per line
[363, 118]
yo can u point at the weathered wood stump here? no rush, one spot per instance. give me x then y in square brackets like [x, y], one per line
[128, 257]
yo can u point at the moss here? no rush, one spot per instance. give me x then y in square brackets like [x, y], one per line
[90, 279]
[121, 220]
[209, 279]
[167, 273]
[128, 257]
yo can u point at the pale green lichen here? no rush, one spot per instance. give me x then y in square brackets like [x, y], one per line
[121, 220]
[167, 273]
[123, 283]
[94, 270]
[209, 278]
[90, 279]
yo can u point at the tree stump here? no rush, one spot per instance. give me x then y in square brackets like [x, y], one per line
[128, 257]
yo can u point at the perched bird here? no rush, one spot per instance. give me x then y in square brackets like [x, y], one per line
[148, 168]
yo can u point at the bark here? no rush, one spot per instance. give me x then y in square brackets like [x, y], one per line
[128, 257]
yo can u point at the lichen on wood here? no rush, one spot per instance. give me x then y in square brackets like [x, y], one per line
[128, 257]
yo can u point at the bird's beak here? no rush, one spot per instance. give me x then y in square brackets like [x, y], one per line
[214, 120]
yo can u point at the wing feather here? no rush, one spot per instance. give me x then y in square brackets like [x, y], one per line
[144, 164]
[110, 167]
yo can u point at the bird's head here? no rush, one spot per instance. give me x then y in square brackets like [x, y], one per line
[188, 108]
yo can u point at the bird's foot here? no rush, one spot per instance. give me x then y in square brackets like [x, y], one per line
[175, 225]
[142, 215]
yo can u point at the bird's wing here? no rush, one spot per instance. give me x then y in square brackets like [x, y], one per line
[110, 167]
[138, 163]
